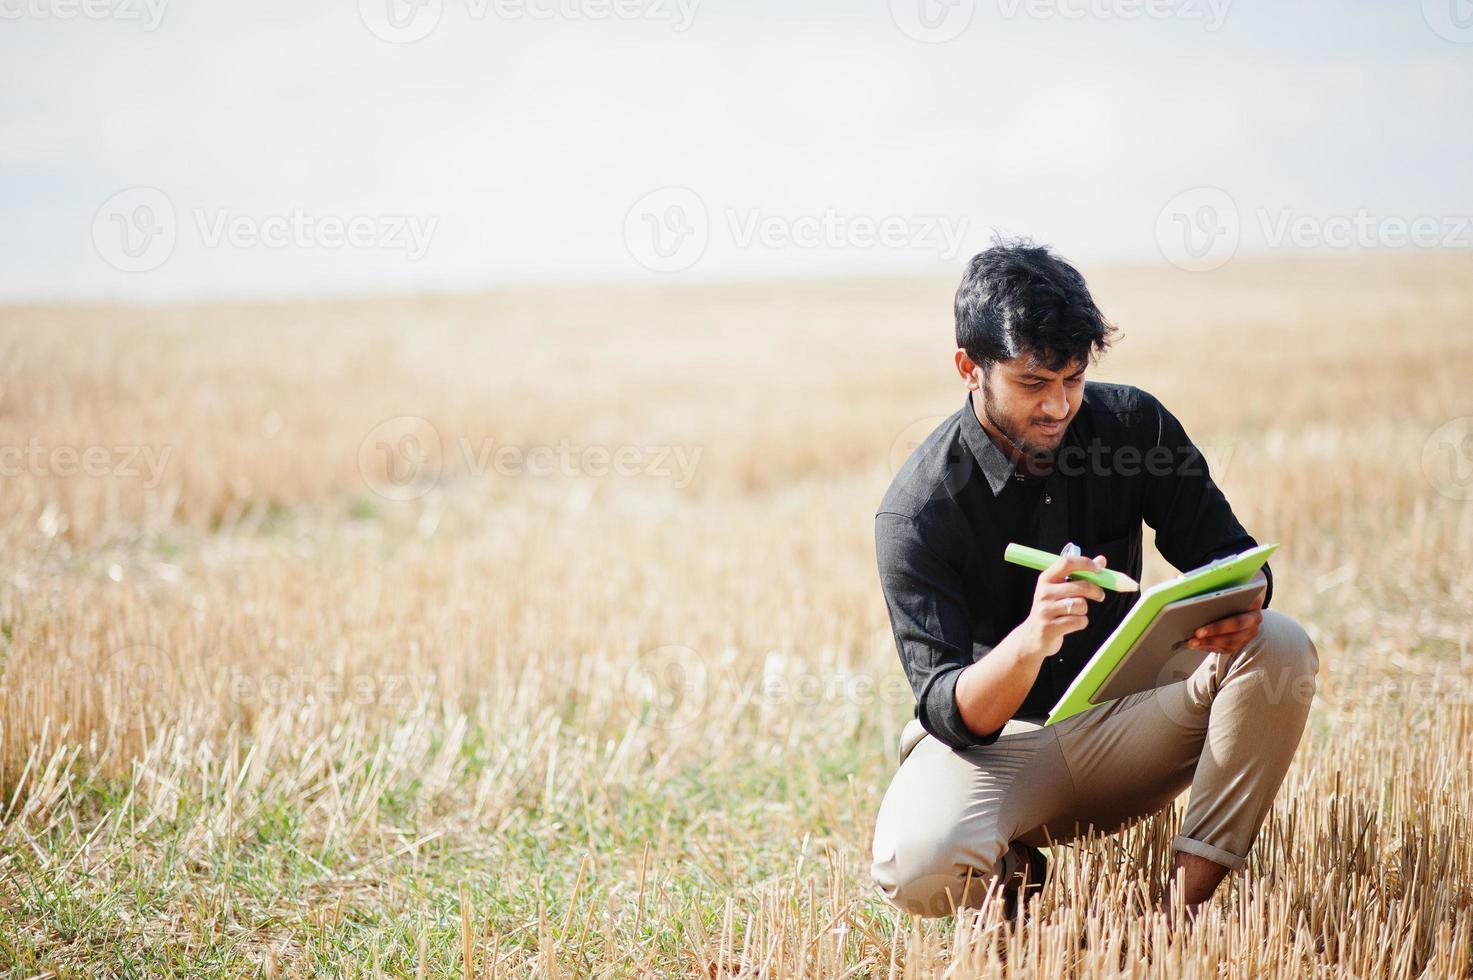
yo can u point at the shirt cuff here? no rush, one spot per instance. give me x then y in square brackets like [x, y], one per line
[942, 717]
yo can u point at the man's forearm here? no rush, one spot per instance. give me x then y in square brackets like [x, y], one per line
[990, 690]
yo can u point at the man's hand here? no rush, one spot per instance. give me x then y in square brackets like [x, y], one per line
[1060, 604]
[993, 687]
[1233, 633]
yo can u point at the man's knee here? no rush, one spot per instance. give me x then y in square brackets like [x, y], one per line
[1287, 648]
[1281, 657]
[931, 875]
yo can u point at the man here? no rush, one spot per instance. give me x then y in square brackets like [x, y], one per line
[1039, 456]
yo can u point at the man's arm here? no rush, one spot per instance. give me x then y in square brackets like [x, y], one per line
[1195, 524]
[990, 690]
[1193, 521]
[1233, 633]
[960, 702]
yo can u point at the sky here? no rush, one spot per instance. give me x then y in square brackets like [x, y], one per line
[167, 149]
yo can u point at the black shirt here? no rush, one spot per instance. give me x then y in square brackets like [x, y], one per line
[958, 501]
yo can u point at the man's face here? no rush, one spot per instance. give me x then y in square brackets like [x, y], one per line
[1030, 404]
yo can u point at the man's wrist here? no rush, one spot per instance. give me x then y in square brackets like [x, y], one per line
[1025, 646]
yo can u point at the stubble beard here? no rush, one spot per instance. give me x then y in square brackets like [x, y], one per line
[1039, 457]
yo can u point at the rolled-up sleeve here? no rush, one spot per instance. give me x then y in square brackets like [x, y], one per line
[928, 615]
[1193, 521]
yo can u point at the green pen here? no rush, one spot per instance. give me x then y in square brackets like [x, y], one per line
[1040, 560]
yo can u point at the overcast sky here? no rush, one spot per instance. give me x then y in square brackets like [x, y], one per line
[170, 148]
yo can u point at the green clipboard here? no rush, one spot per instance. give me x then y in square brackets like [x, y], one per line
[1222, 573]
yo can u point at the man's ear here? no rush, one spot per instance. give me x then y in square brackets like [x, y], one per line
[970, 370]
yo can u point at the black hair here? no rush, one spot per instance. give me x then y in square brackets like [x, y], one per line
[1019, 298]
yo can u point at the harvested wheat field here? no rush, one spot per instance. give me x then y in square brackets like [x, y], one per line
[539, 632]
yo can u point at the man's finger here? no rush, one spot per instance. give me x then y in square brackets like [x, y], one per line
[1072, 587]
[1059, 570]
[1071, 624]
[1228, 643]
[1071, 607]
[1231, 624]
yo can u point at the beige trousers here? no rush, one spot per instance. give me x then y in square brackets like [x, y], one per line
[1228, 731]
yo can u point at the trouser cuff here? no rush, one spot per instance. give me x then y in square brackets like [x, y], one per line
[1215, 854]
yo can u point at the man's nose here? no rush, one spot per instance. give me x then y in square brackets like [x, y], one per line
[1056, 405]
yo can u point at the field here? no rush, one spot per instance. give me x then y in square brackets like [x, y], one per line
[538, 631]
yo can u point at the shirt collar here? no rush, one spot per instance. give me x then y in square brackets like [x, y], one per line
[996, 465]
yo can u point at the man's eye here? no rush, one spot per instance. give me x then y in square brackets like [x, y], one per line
[1075, 382]
[1033, 384]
